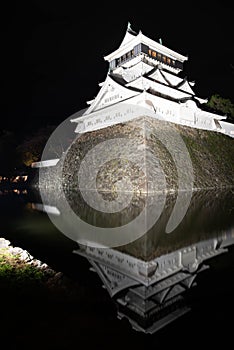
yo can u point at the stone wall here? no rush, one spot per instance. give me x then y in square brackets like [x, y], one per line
[211, 154]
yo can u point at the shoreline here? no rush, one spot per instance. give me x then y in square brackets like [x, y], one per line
[23, 274]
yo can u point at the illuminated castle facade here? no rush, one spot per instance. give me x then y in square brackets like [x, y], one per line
[144, 73]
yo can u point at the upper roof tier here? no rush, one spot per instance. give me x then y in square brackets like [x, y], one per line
[134, 44]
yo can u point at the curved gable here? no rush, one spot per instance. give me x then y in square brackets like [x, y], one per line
[110, 93]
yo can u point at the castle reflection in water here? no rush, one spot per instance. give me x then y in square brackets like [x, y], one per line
[150, 277]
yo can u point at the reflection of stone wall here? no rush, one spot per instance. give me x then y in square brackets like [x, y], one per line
[210, 215]
[210, 153]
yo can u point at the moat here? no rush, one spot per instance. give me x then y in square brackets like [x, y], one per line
[159, 283]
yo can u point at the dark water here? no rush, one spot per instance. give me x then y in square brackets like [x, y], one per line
[199, 252]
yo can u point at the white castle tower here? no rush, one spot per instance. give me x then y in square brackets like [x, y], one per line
[143, 80]
[143, 72]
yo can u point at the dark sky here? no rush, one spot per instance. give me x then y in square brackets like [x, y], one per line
[52, 52]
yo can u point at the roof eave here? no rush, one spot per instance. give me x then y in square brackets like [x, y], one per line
[141, 38]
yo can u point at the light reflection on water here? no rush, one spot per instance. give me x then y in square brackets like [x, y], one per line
[150, 278]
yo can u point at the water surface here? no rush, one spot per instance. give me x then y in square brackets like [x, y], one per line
[159, 284]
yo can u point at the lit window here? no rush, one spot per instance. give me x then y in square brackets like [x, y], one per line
[168, 60]
[159, 55]
[150, 52]
[154, 54]
[164, 58]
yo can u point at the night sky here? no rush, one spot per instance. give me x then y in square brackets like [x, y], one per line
[52, 52]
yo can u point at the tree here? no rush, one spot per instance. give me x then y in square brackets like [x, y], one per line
[31, 148]
[221, 105]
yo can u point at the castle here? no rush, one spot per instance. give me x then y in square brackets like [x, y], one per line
[143, 72]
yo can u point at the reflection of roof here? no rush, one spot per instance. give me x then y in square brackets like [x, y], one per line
[150, 306]
[174, 312]
[147, 273]
[113, 280]
[155, 297]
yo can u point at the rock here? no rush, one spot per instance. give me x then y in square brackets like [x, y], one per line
[4, 243]
[25, 256]
[44, 266]
[58, 275]
[48, 271]
[37, 263]
[15, 250]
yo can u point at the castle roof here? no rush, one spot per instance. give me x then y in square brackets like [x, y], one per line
[132, 39]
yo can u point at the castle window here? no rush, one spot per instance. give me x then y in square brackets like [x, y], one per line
[150, 52]
[154, 54]
[164, 58]
[137, 49]
[168, 60]
[112, 64]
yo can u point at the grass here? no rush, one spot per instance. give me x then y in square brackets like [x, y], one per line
[22, 280]
[18, 276]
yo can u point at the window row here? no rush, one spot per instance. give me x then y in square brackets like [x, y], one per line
[160, 57]
[142, 48]
[125, 57]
